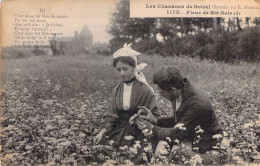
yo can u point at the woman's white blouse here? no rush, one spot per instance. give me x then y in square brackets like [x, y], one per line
[127, 96]
[178, 102]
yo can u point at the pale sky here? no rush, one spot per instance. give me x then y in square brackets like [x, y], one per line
[97, 17]
[95, 14]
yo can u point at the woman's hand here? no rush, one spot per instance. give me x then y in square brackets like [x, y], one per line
[146, 114]
[99, 137]
[143, 124]
[133, 119]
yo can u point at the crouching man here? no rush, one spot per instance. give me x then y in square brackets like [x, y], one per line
[194, 123]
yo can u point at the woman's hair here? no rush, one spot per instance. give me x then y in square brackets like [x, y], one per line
[125, 59]
[167, 77]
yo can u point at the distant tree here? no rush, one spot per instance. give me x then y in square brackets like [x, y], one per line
[202, 23]
[256, 21]
[184, 36]
[124, 28]
[186, 25]
[238, 24]
[247, 21]
[168, 28]
[231, 25]
[53, 45]
[37, 50]
[217, 24]
[248, 44]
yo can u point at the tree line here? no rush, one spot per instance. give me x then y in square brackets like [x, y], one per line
[223, 39]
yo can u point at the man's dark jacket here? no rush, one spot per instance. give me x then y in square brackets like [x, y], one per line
[195, 109]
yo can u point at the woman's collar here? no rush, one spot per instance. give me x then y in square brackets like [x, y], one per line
[129, 81]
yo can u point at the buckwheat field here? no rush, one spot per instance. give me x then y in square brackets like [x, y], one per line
[52, 107]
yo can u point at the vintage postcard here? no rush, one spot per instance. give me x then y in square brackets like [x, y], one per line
[130, 82]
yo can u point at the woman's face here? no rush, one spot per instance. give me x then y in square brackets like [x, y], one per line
[125, 71]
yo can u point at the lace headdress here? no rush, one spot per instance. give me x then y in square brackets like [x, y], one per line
[127, 51]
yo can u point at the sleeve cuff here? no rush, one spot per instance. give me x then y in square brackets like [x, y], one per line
[156, 131]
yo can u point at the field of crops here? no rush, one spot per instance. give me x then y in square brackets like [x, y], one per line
[52, 106]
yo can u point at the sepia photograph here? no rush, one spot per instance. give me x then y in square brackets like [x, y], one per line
[120, 82]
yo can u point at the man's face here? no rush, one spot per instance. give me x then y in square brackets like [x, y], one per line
[170, 94]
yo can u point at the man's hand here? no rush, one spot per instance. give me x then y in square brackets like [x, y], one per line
[143, 124]
[146, 114]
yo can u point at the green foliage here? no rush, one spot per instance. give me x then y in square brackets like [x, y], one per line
[167, 27]
[203, 37]
[234, 46]
[38, 51]
[128, 30]
[248, 45]
[148, 46]
[222, 46]
[16, 52]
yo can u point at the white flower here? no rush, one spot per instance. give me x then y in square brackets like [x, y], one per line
[248, 125]
[111, 142]
[168, 139]
[123, 147]
[179, 125]
[128, 138]
[152, 160]
[238, 160]
[195, 148]
[133, 150]
[148, 133]
[225, 142]
[110, 162]
[217, 136]
[82, 135]
[257, 123]
[144, 157]
[128, 162]
[148, 148]
[175, 147]
[28, 147]
[145, 131]
[177, 141]
[162, 157]
[200, 131]
[48, 82]
[225, 134]
[256, 156]
[196, 159]
[137, 144]
[57, 88]
[161, 148]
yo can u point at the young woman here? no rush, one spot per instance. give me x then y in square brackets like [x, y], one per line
[127, 96]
